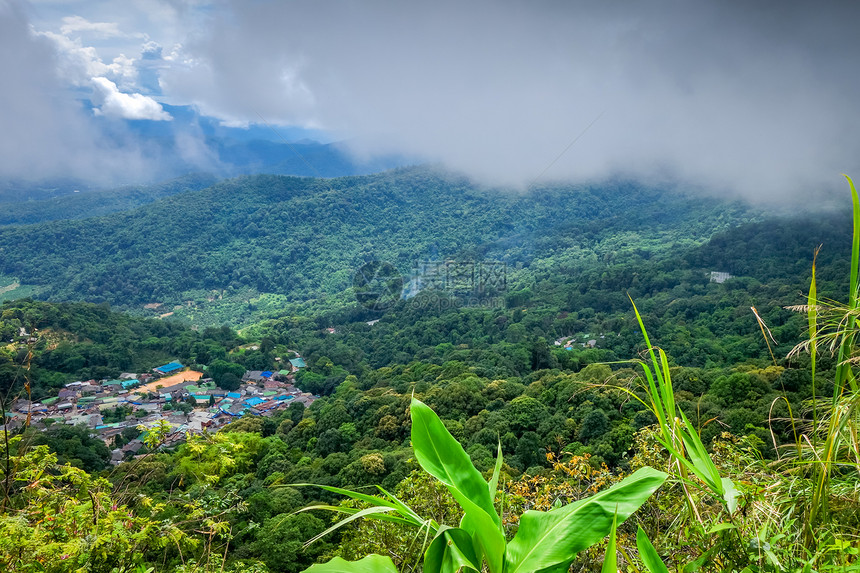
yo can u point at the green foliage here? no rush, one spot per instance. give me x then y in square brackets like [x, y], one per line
[116, 414]
[59, 518]
[94, 203]
[543, 540]
[72, 445]
[280, 544]
[677, 435]
[834, 436]
[494, 378]
[224, 372]
[426, 496]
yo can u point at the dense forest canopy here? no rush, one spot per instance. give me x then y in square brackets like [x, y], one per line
[97, 202]
[271, 242]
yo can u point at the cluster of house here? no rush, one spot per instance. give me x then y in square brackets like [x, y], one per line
[142, 401]
[568, 342]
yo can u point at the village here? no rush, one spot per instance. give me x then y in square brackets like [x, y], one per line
[120, 411]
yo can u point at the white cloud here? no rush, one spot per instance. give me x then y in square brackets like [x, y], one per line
[46, 132]
[78, 63]
[752, 96]
[76, 24]
[114, 103]
[151, 51]
[758, 97]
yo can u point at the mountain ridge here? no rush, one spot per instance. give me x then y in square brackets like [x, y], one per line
[301, 239]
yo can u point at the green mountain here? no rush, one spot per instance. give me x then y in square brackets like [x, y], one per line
[95, 203]
[257, 246]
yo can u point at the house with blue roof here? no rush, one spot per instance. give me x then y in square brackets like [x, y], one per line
[169, 368]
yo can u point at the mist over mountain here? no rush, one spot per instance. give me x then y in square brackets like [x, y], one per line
[192, 144]
[753, 100]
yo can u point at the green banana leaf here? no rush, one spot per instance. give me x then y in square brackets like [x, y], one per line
[552, 539]
[451, 551]
[487, 538]
[369, 564]
[444, 458]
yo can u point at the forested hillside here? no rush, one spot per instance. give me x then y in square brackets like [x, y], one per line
[95, 203]
[268, 246]
[491, 376]
[247, 247]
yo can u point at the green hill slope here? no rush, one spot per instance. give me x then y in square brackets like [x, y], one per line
[95, 203]
[297, 240]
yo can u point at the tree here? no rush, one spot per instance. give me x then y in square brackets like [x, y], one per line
[541, 355]
[525, 413]
[230, 382]
[65, 519]
[73, 445]
[594, 425]
[529, 451]
[280, 542]
[218, 368]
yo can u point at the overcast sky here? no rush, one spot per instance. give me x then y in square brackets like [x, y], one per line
[754, 97]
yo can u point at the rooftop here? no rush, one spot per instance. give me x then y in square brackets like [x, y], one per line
[170, 367]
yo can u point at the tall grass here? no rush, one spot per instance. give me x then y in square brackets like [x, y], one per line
[687, 452]
[800, 501]
[833, 441]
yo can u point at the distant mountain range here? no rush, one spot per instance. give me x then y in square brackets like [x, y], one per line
[219, 150]
[93, 203]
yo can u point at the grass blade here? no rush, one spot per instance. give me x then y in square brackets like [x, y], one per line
[610, 561]
[649, 556]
